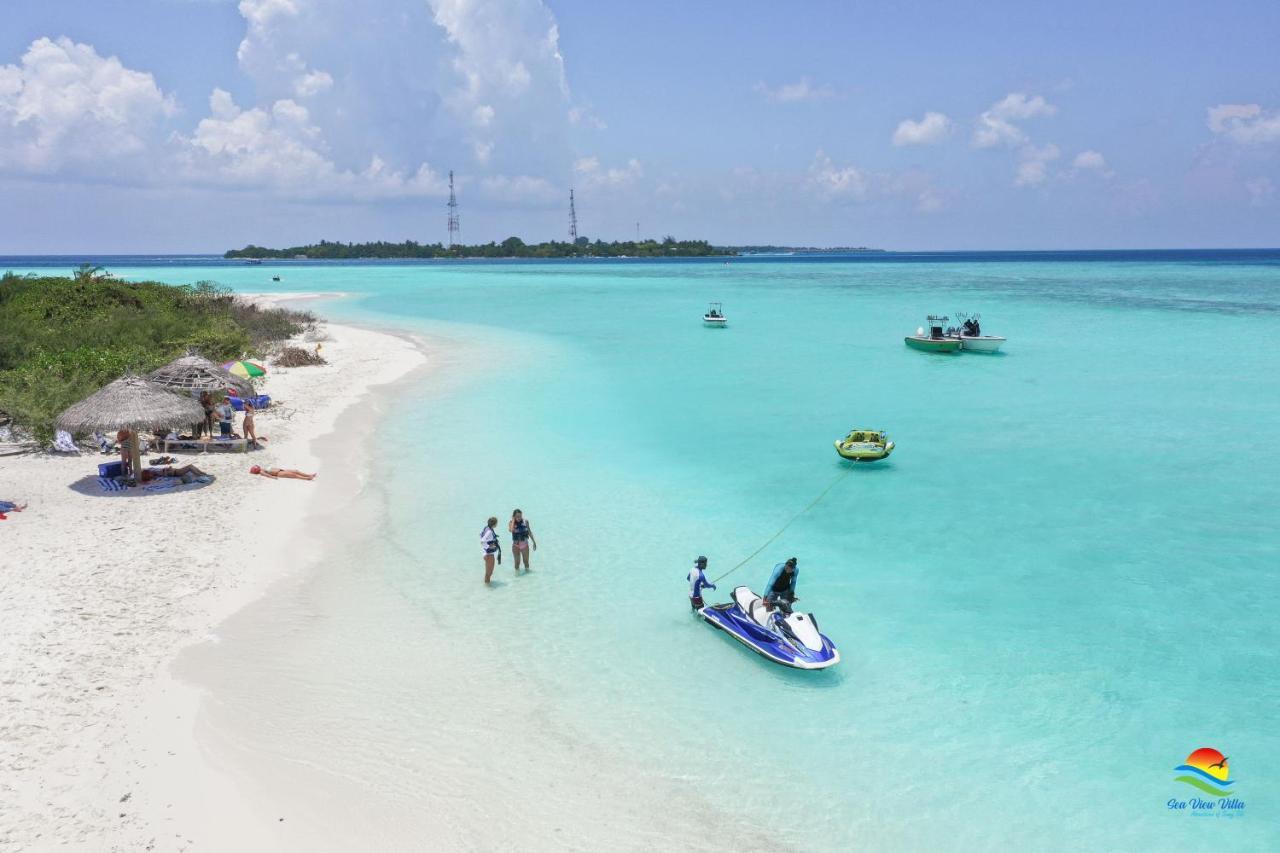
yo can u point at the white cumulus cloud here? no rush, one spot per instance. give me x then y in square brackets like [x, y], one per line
[591, 174]
[519, 188]
[834, 181]
[1247, 124]
[1090, 160]
[1033, 164]
[996, 125]
[802, 90]
[934, 127]
[67, 108]
[279, 148]
[313, 83]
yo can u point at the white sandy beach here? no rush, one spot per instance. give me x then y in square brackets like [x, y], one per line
[117, 734]
[100, 591]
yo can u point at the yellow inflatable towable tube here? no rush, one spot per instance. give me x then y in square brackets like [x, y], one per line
[864, 445]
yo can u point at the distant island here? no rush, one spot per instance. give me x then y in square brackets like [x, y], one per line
[512, 247]
[797, 250]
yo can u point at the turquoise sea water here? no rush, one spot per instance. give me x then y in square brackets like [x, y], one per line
[1062, 582]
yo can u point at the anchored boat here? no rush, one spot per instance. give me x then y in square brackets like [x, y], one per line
[715, 316]
[971, 337]
[864, 445]
[936, 340]
[791, 640]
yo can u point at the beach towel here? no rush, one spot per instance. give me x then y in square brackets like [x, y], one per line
[161, 484]
[111, 484]
[63, 443]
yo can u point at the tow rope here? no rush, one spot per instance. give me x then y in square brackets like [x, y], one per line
[771, 539]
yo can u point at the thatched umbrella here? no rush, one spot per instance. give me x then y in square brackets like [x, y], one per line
[195, 373]
[131, 403]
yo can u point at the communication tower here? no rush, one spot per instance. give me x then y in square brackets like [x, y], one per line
[455, 232]
[573, 220]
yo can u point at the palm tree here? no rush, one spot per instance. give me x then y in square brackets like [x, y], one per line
[88, 273]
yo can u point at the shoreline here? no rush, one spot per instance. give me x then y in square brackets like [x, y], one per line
[85, 704]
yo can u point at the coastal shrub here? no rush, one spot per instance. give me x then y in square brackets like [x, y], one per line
[62, 338]
[298, 357]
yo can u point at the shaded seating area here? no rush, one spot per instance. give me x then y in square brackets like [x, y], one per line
[127, 406]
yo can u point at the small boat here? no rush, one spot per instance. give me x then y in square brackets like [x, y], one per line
[253, 261]
[971, 337]
[791, 640]
[936, 340]
[864, 445]
[715, 317]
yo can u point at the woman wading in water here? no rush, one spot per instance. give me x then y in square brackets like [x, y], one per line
[521, 536]
[490, 546]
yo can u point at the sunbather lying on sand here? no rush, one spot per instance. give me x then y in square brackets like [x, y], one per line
[281, 473]
[10, 506]
[149, 474]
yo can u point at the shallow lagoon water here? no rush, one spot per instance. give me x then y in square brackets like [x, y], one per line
[1061, 583]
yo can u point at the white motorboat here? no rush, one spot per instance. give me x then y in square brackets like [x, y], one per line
[715, 316]
[971, 337]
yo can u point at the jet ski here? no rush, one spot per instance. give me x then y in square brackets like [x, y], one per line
[789, 640]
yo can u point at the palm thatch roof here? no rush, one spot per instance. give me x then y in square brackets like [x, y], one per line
[131, 402]
[193, 372]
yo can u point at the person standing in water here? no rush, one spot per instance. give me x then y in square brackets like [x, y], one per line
[491, 548]
[521, 536]
[697, 583]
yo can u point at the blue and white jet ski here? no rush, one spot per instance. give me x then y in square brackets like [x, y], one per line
[789, 640]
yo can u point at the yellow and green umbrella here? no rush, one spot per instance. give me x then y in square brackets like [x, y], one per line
[245, 369]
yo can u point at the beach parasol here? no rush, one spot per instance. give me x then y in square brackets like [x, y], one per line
[132, 403]
[246, 369]
[194, 373]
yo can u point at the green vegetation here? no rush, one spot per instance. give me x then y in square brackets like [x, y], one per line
[798, 250]
[63, 338]
[512, 247]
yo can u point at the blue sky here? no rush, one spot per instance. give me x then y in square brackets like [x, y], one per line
[197, 125]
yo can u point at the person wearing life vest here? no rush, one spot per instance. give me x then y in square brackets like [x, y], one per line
[697, 583]
[490, 547]
[780, 591]
[521, 536]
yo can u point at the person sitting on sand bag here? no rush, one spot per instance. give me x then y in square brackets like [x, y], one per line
[281, 473]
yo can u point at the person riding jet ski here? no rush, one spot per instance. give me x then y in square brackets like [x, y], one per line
[780, 591]
[697, 583]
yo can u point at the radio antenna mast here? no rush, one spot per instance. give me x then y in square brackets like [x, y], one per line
[573, 219]
[455, 232]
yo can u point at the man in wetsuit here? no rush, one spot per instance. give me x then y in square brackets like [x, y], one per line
[780, 591]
